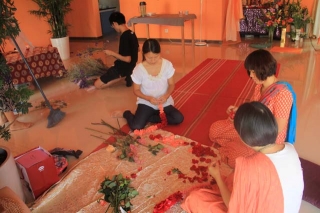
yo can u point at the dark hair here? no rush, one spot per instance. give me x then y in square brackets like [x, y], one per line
[262, 62]
[256, 124]
[150, 45]
[117, 17]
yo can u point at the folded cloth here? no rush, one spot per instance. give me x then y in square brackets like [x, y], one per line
[65, 152]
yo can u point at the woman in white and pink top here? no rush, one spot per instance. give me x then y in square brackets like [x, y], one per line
[153, 85]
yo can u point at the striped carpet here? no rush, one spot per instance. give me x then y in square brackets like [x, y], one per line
[204, 94]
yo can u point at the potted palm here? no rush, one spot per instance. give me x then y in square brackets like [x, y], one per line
[54, 12]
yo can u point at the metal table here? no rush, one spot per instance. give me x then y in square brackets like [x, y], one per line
[166, 19]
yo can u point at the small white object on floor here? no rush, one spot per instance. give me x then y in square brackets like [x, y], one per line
[122, 211]
[90, 88]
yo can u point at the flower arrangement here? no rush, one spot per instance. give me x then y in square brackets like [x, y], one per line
[298, 13]
[118, 193]
[300, 17]
[275, 16]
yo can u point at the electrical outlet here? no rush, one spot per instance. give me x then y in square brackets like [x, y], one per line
[166, 30]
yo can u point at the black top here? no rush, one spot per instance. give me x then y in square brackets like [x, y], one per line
[128, 46]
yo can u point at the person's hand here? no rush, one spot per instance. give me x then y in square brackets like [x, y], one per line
[214, 169]
[154, 101]
[231, 109]
[109, 52]
[162, 99]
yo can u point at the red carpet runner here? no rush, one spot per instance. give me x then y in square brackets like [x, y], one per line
[204, 94]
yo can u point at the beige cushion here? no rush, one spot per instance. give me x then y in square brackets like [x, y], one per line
[11, 203]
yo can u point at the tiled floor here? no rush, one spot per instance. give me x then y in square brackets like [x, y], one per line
[86, 107]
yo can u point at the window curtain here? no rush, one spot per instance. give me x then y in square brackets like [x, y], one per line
[316, 25]
[233, 16]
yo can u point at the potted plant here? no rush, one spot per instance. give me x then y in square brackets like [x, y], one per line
[273, 20]
[300, 16]
[11, 98]
[54, 12]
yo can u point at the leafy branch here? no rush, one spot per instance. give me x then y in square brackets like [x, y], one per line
[125, 143]
[118, 192]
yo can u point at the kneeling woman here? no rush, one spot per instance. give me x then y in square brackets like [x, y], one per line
[270, 180]
[153, 85]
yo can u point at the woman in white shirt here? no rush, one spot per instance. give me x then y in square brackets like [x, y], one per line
[153, 85]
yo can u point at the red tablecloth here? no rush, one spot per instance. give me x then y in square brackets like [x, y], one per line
[44, 62]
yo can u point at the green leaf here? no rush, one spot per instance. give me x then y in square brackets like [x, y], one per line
[112, 184]
[122, 197]
[135, 192]
[128, 204]
[119, 176]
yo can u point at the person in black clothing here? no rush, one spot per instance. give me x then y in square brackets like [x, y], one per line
[127, 57]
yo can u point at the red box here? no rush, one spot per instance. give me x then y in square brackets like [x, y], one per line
[38, 169]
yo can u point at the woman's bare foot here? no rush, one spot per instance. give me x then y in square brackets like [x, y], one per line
[17, 125]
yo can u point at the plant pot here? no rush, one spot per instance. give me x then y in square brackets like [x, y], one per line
[9, 175]
[63, 46]
[298, 32]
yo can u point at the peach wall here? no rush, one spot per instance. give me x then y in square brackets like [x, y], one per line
[210, 18]
[84, 19]
[34, 28]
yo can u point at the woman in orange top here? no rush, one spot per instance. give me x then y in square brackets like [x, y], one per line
[268, 181]
[278, 96]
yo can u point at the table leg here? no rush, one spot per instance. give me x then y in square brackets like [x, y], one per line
[133, 27]
[183, 47]
[192, 43]
[192, 32]
[148, 35]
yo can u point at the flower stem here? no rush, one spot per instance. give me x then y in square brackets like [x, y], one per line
[97, 131]
[98, 137]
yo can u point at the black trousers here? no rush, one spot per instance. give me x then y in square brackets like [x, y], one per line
[145, 114]
[113, 73]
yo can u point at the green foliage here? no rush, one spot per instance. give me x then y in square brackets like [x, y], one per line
[8, 23]
[117, 192]
[299, 14]
[126, 144]
[5, 133]
[155, 149]
[17, 99]
[54, 12]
